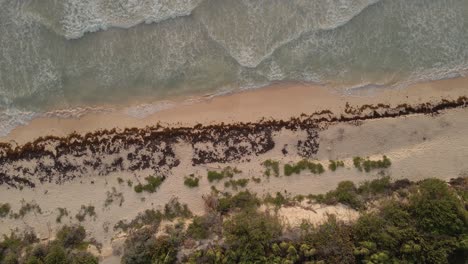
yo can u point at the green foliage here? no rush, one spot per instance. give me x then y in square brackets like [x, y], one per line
[377, 186]
[335, 164]
[199, 228]
[175, 209]
[439, 210]
[56, 255]
[271, 168]
[120, 180]
[5, 209]
[235, 184]
[367, 165]
[243, 200]
[86, 210]
[333, 242]
[315, 168]
[149, 217]
[227, 172]
[141, 247]
[279, 200]
[83, 258]
[71, 236]
[249, 234]
[191, 181]
[152, 184]
[153, 218]
[346, 193]
[66, 248]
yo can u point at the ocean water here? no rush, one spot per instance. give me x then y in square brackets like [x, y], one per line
[82, 54]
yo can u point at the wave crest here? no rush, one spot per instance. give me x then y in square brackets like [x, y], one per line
[73, 18]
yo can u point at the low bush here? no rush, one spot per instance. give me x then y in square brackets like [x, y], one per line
[68, 247]
[227, 172]
[278, 200]
[235, 184]
[152, 184]
[5, 209]
[271, 168]
[302, 165]
[242, 200]
[367, 165]
[191, 181]
[335, 164]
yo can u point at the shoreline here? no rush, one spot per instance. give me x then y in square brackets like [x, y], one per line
[278, 101]
[421, 129]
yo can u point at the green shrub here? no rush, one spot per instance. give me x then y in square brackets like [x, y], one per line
[152, 184]
[315, 168]
[5, 209]
[271, 167]
[227, 172]
[120, 180]
[439, 210]
[367, 165]
[175, 209]
[249, 234]
[377, 186]
[199, 228]
[279, 200]
[56, 255]
[191, 182]
[71, 236]
[346, 193]
[242, 200]
[235, 184]
[335, 164]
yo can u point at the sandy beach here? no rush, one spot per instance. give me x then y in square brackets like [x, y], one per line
[278, 101]
[419, 146]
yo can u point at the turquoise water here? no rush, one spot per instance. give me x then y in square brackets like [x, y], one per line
[57, 54]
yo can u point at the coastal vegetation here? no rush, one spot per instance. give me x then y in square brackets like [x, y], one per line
[302, 165]
[68, 247]
[191, 181]
[151, 185]
[335, 164]
[399, 222]
[367, 164]
[271, 168]
[227, 172]
[235, 184]
[4, 209]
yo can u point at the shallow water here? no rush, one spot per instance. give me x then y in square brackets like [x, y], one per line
[59, 54]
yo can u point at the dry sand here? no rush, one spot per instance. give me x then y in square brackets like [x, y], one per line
[419, 146]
